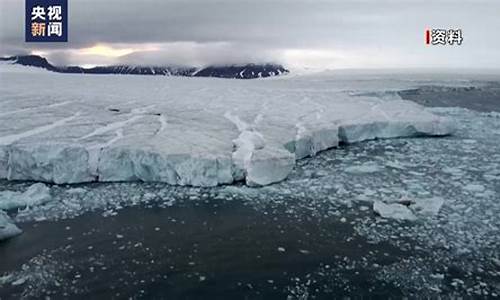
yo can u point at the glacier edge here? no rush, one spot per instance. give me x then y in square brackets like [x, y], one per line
[197, 132]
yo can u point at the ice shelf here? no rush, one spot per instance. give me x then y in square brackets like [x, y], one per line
[63, 128]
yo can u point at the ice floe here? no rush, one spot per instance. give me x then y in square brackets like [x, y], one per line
[7, 227]
[472, 187]
[393, 211]
[37, 194]
[366, 168]
[427, 207]
[406, 209]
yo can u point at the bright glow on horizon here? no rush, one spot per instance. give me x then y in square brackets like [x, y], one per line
[97, 55]
[106, 51]
[88, 66]
[39, 53]
[196, 54]
[316, 58]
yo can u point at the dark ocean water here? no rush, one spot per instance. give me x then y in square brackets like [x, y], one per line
[483, 98]
[214, 250]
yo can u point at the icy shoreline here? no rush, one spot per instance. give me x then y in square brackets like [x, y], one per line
[450, 185]
[185, 132]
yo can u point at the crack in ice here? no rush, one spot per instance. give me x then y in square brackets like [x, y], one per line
[110, 127]
[9, 139]
[34, 108]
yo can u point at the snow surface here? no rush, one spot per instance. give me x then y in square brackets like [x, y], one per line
[64, 128]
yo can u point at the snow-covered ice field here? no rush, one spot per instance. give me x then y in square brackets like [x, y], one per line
[389, 218]
[64, 128]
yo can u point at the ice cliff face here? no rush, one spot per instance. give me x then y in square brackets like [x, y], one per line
[69, 129]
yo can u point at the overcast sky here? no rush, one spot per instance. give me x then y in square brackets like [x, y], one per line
[297, 33]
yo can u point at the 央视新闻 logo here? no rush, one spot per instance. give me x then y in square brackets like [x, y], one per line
[46, 20]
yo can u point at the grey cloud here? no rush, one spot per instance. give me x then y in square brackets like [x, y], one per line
[193, 30]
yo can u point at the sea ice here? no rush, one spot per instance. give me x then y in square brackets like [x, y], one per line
[474, 188]
[7, 228]
[36, 194]
[363, 169]
[393, 211]
[427, 207]
[198, 132]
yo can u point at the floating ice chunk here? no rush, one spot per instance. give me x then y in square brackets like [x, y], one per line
[496, 261]
[395, 165]
[492, 175]
[19, 281]
[240, 191]
[76, 191]
[492, 114]
[393, 211]
[453, 171]
[7, 228]
[427, 207]
[37, 194]
[149, 196]
[364, 169]
[474, 188]
[10, 200]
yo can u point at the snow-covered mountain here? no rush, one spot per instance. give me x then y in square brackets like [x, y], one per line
[248, 71]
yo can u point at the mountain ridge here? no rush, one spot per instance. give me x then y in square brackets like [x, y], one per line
[244, 71]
